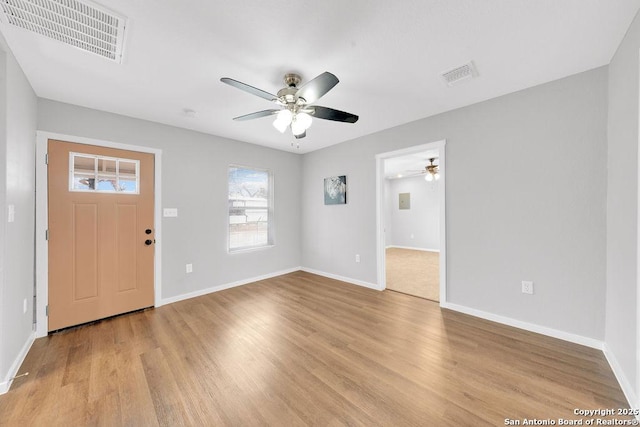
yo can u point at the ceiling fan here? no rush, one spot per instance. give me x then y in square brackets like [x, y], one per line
[431, 171]
[297, 109]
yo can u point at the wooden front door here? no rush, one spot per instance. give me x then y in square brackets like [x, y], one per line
[101, 232]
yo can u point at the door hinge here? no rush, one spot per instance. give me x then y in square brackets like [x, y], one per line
[46, 234]
[46, 310]
[46, 158]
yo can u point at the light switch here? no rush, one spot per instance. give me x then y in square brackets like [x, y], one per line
[11, 213]
[170, 212]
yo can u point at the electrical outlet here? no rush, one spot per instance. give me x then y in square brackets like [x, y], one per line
[412, 236]
[189, 268]
[527, 287]
[357, 257]
[24, 306]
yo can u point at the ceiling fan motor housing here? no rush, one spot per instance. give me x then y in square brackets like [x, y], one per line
[288, 95]
[292, 79]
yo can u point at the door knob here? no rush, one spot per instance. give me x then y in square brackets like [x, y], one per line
[147, 231]
[148, 242]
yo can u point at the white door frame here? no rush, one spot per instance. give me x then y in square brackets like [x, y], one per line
[42, 215]
[637, 379]
[380, 220]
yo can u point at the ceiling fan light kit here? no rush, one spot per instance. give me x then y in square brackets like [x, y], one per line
[283, 120]
[296, 111]
[300, 122]
[431, 171]
[429, 177]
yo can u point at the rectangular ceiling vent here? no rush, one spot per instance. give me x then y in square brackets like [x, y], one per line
[86, 26]
[460, 74]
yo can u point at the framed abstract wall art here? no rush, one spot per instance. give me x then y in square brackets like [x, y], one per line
[335, 190]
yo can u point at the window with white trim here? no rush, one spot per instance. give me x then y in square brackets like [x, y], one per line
[250, 208]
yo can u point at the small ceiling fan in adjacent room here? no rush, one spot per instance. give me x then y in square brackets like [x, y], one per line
[297, 110]
[431, 171]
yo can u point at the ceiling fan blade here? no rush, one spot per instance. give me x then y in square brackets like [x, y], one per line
[331, 114]
[316, 88]
[256, 115]
[302, 135]
[250, 89]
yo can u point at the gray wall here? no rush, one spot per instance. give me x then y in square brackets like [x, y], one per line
[194, 180]
[538, 213]
[422, 221]
[622, 206]
[17, 184]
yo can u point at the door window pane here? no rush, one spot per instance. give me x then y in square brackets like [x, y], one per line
[128, 176]
[107, 175]
[84, 173]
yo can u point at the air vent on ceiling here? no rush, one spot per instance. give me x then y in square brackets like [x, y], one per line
[460, 73]
[84, 25]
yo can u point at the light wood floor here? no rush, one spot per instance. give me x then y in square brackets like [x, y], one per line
[303, 350]
[413, 272]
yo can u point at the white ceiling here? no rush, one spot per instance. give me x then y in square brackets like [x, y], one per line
[387, 55]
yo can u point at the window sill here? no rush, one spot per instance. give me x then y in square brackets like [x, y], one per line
[245, 250]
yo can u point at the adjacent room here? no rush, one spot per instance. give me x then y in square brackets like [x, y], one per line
[412, 224]
[295, 213]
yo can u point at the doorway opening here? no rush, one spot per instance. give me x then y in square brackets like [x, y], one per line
[411, 221]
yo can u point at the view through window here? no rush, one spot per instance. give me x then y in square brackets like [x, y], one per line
[250, 208]
[93, 173]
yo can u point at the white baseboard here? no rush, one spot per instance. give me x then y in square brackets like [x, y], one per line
[222, 287]
[342, 278]
[15, 366]
[624, 382]
[555, 333]
[413, 249]
[625, 385]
